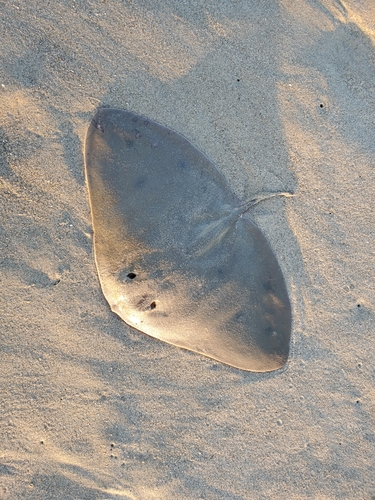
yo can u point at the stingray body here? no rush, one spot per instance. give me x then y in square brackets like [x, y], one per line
[176, 256]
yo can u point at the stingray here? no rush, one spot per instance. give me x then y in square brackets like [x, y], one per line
[177, 257]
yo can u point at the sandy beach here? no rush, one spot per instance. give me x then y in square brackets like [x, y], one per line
[280, 96]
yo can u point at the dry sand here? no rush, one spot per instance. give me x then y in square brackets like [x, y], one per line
[281, 96]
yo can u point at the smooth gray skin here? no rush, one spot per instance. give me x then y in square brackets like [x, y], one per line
[176, 258]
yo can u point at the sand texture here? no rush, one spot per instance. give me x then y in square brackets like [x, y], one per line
[280, 95]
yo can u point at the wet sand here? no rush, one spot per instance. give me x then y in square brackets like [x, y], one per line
[280, 96]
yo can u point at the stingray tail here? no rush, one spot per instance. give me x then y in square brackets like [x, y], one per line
[246, 206]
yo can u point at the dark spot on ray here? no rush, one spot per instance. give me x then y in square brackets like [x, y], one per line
[142, 302]
[181, 164]
[140, 182]
[220, 291]
[239, 317]
[268, 286]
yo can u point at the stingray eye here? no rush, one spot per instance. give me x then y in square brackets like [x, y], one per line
[131, 276]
